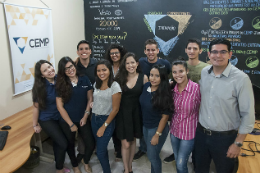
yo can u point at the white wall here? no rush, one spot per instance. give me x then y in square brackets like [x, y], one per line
[68, 30]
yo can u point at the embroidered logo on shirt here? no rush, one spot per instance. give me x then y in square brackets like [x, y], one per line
[84, 86]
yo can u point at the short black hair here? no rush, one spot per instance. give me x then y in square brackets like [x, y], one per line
[121, 49]
[194, 40]
[220, 41]
[82, 42]
[150, 41]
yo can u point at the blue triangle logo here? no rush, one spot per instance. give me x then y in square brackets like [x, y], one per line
[152, 19]
[166, 47]
[22, 49]
[15, 39]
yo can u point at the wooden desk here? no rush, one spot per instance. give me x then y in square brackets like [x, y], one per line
[17, 148]
[250, 164]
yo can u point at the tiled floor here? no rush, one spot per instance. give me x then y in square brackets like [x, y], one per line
[140, 166]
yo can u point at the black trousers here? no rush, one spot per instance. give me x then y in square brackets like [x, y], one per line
[87, 137]
[60, 142]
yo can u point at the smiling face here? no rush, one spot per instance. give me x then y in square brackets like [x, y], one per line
[47, 71]
[103, 72]
[219, 59]
[70, 70]
[151, 51]
[193, 51]
[179, 74]
[131, 64]
[155, 77]
[84, 51]
[115, 55]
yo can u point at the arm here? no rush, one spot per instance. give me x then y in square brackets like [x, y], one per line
[246, 108]
[234, 150]
[64, 114]
[36, 127]
[116, 98]
[145, 79]
[90, 100]
[161, 126]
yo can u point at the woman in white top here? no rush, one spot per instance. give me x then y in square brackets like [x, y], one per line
[114, 55]
[107, 97]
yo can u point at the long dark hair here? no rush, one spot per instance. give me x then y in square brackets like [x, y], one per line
[121, 76]
[121, 49]
[63, 84]
[179, 61]
[162, 98]
[39, 93]
[110, 79]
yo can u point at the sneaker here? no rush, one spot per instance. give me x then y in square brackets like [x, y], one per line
[79, 157]
[138, 155]
[169, 159]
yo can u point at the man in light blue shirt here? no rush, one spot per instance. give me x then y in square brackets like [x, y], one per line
[226, 111]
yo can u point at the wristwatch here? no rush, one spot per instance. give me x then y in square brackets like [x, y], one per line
[158, 133]
[238, 144]
[105, 124]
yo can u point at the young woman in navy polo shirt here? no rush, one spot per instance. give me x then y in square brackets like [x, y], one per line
[45, 113]
[156, 104]
[107, 97]
[74, 95]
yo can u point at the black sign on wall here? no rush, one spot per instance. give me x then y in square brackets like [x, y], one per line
[171, 23]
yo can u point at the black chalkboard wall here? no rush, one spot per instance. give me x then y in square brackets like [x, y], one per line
[172, 22]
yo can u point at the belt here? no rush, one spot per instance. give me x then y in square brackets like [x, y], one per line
[211, 132]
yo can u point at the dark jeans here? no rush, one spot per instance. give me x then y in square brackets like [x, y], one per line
[117, 143]
[87, 137]
[153, 151]
[102, 142]
[142, 147]
[60, 143]
[215, 146]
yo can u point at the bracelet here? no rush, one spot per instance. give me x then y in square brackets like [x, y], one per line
[87, 112]
[72, 125]
[35, 125]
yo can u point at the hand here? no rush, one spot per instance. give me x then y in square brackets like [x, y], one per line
[37, 129]
[91, 104]
[83, 121]
[233, 151]
[155, 139]
[74, 128]
[101, 131]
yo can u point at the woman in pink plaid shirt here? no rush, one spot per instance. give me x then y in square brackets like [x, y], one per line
[186, 95]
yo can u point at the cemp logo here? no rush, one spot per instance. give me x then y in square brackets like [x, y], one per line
[21, 43]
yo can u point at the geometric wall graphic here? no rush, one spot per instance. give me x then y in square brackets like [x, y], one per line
[180, 25]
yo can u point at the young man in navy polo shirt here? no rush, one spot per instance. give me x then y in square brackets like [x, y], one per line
[86, 66]
[151, 51]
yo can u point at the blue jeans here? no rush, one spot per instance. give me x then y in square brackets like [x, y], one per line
[142, 147]
[102, 142]
[153, 151]
[213, 147]
[181, 149]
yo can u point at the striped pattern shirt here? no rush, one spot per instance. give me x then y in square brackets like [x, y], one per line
[186, 111]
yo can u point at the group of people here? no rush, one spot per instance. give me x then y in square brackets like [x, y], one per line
[208, 109]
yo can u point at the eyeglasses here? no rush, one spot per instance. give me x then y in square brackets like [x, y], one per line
[222, 52]
[114, 53]
[69, 68]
